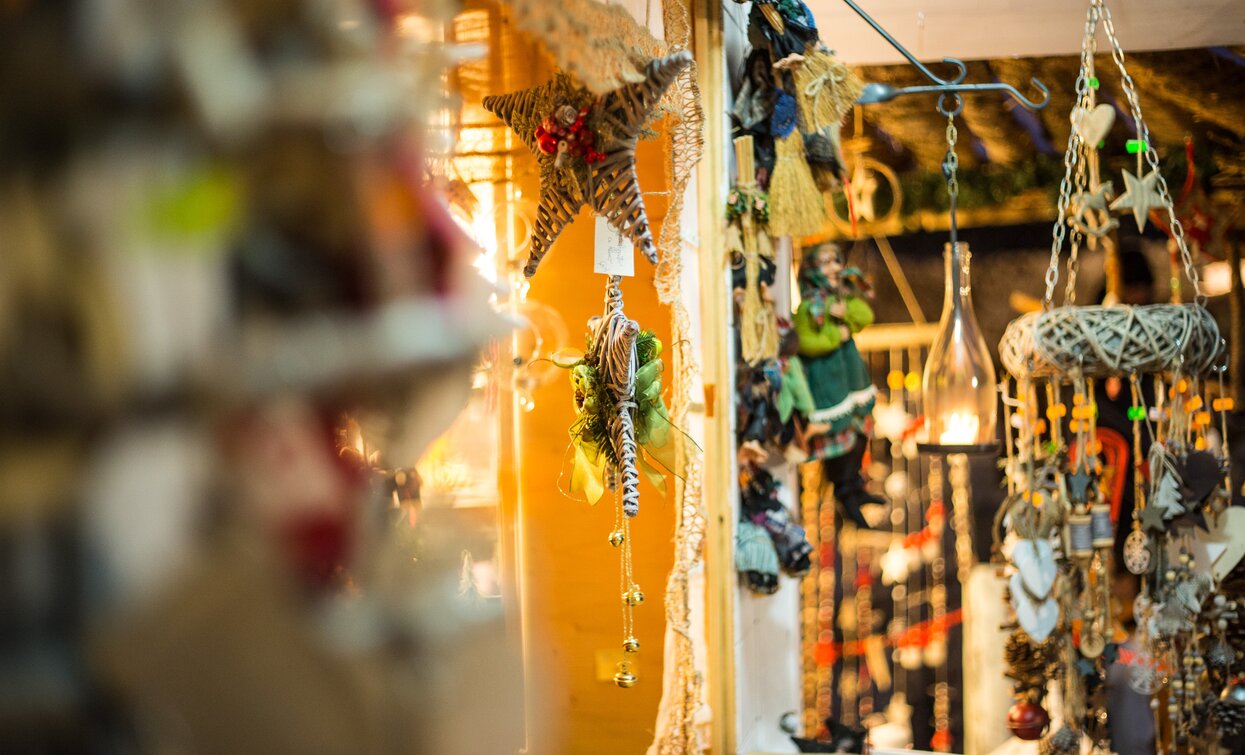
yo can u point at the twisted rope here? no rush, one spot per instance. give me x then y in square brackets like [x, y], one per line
[613, 351]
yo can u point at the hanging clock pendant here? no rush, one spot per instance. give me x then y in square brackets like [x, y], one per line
[1093, 643]
[1137, 554]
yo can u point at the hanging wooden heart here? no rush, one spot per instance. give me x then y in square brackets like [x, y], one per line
[1093, 125]
[1037, 618]
[586, 150]
[1035, 563]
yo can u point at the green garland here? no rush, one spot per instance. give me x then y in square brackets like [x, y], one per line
[987, 186]
[741, 200]
[995, 185]
[590, 434]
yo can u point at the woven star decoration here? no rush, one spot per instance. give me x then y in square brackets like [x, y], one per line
[1140, 195]
[863, 187]
[586, 150]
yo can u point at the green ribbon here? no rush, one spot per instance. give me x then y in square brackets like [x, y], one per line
[652, 432]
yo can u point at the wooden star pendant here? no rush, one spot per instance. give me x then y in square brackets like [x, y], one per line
[1152, 519]
[1140, 195]
[604, 179]
[1078, 485]
[863, 187]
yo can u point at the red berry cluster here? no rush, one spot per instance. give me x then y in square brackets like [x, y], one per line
[580, 140]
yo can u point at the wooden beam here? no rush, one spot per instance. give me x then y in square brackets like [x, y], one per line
[718, 483]
[1184, 80]
[973, 30]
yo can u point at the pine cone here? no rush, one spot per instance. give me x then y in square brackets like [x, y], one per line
[1228, 717]
[1027, 662]
[1066, 741]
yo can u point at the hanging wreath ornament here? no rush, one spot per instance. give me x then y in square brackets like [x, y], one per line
[586, 149]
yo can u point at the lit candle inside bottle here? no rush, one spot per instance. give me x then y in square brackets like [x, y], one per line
[959, 429]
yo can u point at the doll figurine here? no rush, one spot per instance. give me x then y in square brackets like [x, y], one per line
[832, 311]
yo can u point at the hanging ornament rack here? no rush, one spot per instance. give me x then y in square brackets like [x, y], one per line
[1058, 524]
[1103, 341]
[874, 93]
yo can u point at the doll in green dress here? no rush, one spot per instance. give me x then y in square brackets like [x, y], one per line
[832, 310]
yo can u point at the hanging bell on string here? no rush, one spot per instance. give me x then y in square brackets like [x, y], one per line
[624, 677]
[617, 538]
[631, 645]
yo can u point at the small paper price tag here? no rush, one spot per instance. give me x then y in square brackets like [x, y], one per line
[614, 254]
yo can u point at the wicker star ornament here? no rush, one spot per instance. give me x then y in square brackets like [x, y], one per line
[586, 150]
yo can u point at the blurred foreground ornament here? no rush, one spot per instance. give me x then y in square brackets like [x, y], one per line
[603, 174]
[1027, 720]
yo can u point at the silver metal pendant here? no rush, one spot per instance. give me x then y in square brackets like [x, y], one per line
[1137, 554]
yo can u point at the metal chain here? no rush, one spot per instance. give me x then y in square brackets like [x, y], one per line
[1076, 237]
[951, 162]
[1070, 158]
[1152, 155]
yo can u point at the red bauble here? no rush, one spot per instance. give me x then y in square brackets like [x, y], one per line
[547, 142]
[1027, 720]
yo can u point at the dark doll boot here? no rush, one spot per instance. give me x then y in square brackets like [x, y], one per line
[789, 540]
[849, 487]
[756, 557]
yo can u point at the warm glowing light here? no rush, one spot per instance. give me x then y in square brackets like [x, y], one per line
[1217, 278]
[419, 28]
[958, 384]
[959, 429]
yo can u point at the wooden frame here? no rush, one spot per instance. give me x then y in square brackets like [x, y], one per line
[718, 482]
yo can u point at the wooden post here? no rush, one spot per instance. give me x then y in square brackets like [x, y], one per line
[719, 478]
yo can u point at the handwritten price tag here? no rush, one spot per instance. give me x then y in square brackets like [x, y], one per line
[614, 254]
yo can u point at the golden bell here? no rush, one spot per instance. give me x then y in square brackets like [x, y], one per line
[625, 679]
[617, 538]
[633, 597]
[631, 645]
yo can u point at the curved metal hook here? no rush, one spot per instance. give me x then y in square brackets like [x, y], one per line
[1027, 103]
[961, 72]
[875, 93]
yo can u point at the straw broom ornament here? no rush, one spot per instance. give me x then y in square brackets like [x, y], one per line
[796, 204]
[758, 324]
[586, 150]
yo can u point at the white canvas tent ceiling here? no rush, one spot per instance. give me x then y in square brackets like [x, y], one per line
[983, 29]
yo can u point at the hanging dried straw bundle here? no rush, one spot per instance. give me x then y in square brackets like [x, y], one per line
[758, 323]
[826, 89]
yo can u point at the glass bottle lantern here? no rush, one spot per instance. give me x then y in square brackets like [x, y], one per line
[959, 382]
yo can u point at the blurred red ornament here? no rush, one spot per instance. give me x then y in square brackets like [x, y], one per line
[318, 546]
[1027, 720]
[941, 741]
